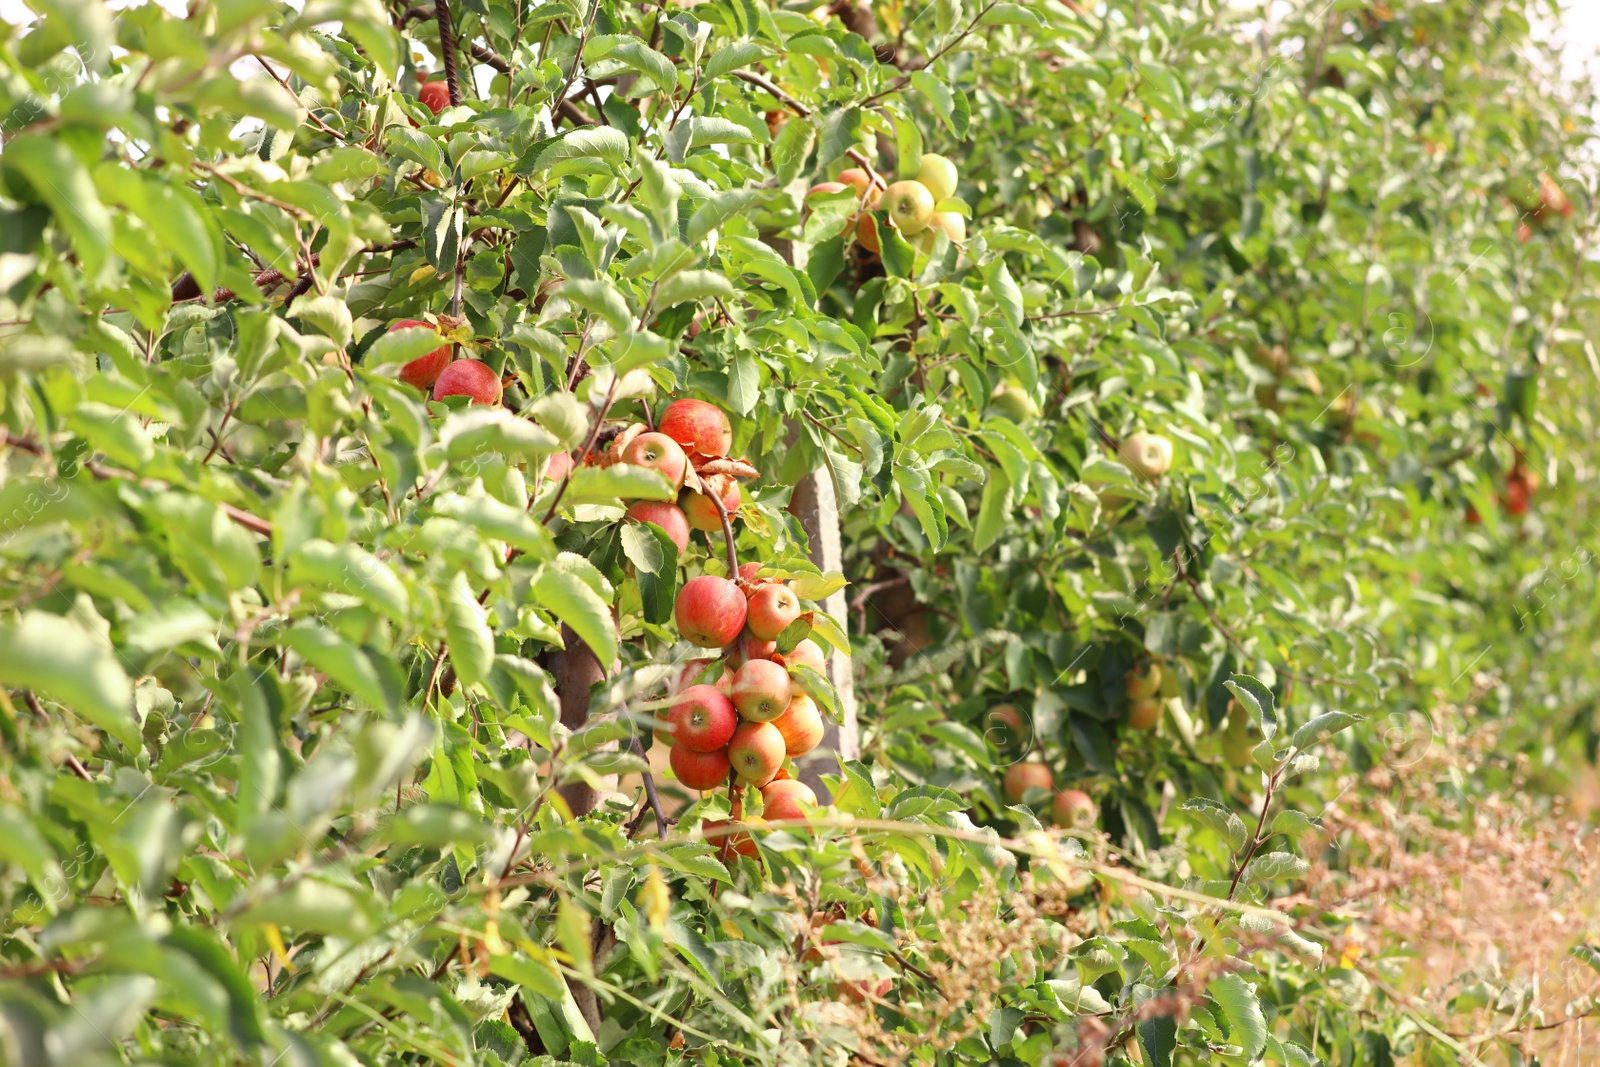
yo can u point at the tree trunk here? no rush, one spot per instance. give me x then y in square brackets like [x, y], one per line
[576, 670]
[816, 505]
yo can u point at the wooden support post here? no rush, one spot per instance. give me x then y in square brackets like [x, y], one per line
[816, 505]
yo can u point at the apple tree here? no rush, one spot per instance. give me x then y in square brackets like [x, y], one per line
[416, 418]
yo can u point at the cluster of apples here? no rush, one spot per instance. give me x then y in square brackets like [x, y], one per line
[911, 204]
[752, 718]
[443, 376]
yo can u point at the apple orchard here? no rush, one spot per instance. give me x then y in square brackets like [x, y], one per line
[776, 533]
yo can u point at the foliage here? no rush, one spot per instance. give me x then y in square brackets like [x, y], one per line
[285, 754]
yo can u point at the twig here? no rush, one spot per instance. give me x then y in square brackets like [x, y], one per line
[767, 86]
[652, 799]
[100, 473]
[588, 447]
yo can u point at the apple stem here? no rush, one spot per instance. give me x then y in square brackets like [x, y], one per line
[727, 534]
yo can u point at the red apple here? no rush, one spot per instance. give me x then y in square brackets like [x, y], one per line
[862, 183]
[1006, 726]
[698, 426]
[718, 830]
[751, 647]
[1072, 809]
[423, 371]
[667, 516]
[801, 725]
[660, 453]
[772, 608]
[1144, 714]
[808, 654]
[700, 770]
[761, 690]
[1021, 777]
[699, 509]
[702, 719]
[781, 799]
[756, 752]
[468, 377]
[710, 611]
[558, 466]
[748, 571]
[826, 187]
[688, 673]
[435, 96]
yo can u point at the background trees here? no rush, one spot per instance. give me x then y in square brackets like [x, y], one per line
[315, 691]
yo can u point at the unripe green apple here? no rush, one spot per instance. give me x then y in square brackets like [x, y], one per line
[909, 206]
[1143, 681]
[939, 175]
[953, 223]
[1148, 455]
[1012, 401]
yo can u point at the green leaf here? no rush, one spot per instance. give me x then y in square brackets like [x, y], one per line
[351, 570]
[570, 599]
[618, 482]
[816, 685]
[824, 626]
[929, 509]
[314, 906]
[694, 286]
[1218, 817]
[345, 665]
[1009, 15]
[1273, 866]
[1257, 701]
[63, 183]
[655, 556]
[1158, 1038]
[840, 131]
[994, 508]
[436, 826]
[1322, 727]
[1247, 1024]
[63, 661]
[731, 57]
[897, 253]
[466, 629]
[1003, 287]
